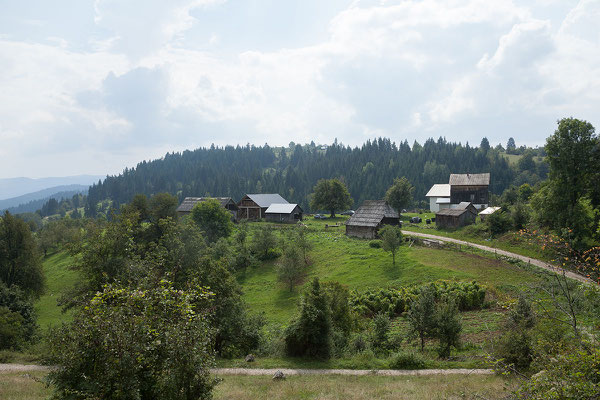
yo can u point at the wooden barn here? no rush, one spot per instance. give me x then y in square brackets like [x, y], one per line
[254, 206]
[284, 213]
[472, 188]
[464, 214]
[369, 217]
[189, 202]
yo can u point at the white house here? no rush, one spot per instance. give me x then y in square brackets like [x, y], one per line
[439, 197]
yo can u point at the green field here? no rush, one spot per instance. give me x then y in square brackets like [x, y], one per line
[58, 279]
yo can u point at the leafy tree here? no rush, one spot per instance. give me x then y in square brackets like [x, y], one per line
[264, 243]
[421, 315]
[161, 206]
[19, 315]
[213, 220]
[520, 216]
[339, 304]
[289, 269]
[498, 223]
[511, 147]
[139, 204]
[144, 343]
[381, 330]
[448, 327]
[19, 262]
[400, 194]
[330, 194]
[391, 239]
[525, 192]
[302, 242]
[310, 333]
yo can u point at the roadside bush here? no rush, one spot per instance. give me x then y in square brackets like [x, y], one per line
[376, 244]
[11, 329]
[409, 360]
[393, 302]
[19, 318]
[359, 342]
[514, 350]
[499, 223]
[135, 344]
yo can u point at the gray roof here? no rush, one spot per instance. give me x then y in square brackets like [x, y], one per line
[189, 202]
[439, 190]
[265, 200]
[451, 212]
[470, 179]
[371, 212]
[463, 205]
[277, 208]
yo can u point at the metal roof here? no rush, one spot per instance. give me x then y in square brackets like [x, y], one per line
[277, 208]
[439, 190]
[489, 210]
[189, 202]
[265, 200]
[470, 179]
[371, 212]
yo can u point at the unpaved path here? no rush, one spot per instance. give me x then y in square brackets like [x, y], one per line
[533, 261]
[22, 367]
[356, 372]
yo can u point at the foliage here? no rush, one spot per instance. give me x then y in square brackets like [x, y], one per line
[400, 194]
[575, 375]
[421, 317]
[290, 266]
[498, 223]
[468, 295]
[136, 344]
[264, 244]
[448, 327]
[302, 242]
[521, 315]
[18, 316]
[408, 360]
[213, 220]
[310, 334]
[391, 239]
[519, 214]
[381, 330]
[330, 194]
[338, 297]
[19, 262]
[376, 244]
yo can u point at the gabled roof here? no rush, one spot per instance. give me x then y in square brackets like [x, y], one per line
[265, 200]
[371, 212]
[189, 202]
[451, 212]
[439, 190]
[463, 205]
[277, 208]
[489, 210]
[469, 179]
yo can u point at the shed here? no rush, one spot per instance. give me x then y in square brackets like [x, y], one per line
[488, 211]
[284, 213]
[370, 217]
[254, 206]
[473, 188]
[439, 197]
[189, 202]
[464, 214]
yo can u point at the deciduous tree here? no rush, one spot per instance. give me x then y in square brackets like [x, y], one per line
[400, 194]
[330, 194]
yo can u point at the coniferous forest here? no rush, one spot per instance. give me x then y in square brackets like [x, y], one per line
[368, 170]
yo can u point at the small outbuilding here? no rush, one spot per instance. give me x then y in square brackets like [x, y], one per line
[370, 217]
[439, 197]
[189, 202]
[487, 212]
[463, 214]
[254, 206]
[284, 213]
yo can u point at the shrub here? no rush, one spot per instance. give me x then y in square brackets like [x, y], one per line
[135, 344]
[376, 244]
[499, 223]
[22, 323]
[448, 327]
[381, 329]
[11, 329]
[514, 350]
[407, 361]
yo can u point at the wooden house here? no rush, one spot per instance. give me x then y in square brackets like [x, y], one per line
[284, 213]
[463, 214]
[370, 217]
[254, 206]
[189, 202]
[472, 188]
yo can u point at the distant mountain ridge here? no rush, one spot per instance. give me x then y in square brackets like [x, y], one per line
[31, 202]
[15, 187]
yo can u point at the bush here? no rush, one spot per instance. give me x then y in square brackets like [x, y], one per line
[499, 223]
[407, 361]
[19, 317]
[135, 344]
[514, 350]
[376, 244]
[11, 329]
[381, 329]
[448, 327]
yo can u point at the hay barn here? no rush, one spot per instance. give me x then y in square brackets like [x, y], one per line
[189, 202]
[284, 213]
[370, 217]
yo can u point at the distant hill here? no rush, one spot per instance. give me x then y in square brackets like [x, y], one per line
[15, 187]
[34, 201]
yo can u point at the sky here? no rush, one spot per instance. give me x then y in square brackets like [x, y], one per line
[94, 86]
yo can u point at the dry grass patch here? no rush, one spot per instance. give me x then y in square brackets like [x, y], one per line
[23, 386]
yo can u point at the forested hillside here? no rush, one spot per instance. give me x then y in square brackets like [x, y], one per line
[367, 170]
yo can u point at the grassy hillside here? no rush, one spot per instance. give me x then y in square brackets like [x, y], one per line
[352, 262]
[58, 278]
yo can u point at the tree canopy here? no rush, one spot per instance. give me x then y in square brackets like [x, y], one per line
[331, 195]
[212, 219]
[400, 194]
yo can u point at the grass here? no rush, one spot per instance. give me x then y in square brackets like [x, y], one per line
[59, 278]
[28, 386]
[361, 387]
